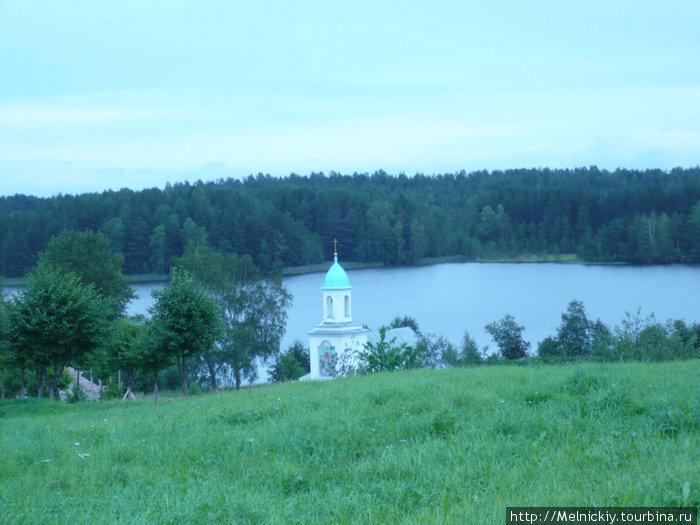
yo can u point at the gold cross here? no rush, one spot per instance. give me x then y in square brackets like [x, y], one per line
[335, 247]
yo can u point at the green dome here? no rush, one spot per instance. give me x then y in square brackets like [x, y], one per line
[336, 278]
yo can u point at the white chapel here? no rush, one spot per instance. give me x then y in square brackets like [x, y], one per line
[336, 339]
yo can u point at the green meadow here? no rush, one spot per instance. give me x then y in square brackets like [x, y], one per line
[424, 446]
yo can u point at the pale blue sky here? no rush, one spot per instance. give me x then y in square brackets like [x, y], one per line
[134, 93]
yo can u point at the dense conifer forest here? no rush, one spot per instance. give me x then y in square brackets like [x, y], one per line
[632, 216]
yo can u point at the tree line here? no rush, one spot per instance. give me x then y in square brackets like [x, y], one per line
[636, 216]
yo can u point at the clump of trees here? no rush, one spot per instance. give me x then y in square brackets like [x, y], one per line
[218, 313]
[57, 320]
[252, 308]
[649, 216]
[636, 338]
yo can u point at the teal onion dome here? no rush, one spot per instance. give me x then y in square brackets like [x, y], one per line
[336, 278]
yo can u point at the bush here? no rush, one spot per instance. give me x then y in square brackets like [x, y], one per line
[112, 390]
[291, 364]
[387, 355]
[76, 394]
[435, 352]
[64, 381]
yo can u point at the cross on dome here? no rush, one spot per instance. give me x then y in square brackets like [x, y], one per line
[336, 278]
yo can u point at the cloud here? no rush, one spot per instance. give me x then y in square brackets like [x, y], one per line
[43, 116]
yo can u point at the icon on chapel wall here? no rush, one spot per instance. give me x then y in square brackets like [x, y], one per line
[327, 359]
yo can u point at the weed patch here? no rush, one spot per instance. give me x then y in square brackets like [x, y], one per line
[672, 421]
[444, 423]
[535, 398]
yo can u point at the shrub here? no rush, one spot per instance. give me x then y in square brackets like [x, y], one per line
[112, 390]
[387, 355]
[76, 394]
[291, 364]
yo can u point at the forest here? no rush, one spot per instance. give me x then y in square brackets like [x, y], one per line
[631, 216]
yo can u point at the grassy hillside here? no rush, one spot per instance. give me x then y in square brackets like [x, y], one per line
[445, 446]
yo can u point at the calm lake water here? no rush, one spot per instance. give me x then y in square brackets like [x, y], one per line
[448, 299]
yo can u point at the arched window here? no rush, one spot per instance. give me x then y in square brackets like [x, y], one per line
[347, 306]
[329, 307]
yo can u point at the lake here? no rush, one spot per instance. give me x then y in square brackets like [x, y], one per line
[448, 299]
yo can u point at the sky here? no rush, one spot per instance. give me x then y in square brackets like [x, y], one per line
[98, 95]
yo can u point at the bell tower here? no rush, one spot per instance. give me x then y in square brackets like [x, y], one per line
[337, 293]
[336, 339]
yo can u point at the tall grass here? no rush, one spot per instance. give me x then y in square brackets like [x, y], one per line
[425, 446]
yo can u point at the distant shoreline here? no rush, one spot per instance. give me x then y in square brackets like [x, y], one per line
[564, 258]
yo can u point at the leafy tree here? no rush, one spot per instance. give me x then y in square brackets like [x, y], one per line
[602, 340]
[291, 364]
[548, 347]
[470, 353]
[449, 356]
[56, 320]
[684, 340]
[126, 348]
[508, 337]
[577, 335]
[193, 233]
[154, 354]
[253, 309]
[436, 351]
[574, 336]
[429, 349]
[488, 225]
[187, 320]
[90, 257]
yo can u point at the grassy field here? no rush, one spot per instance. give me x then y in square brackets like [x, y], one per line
[441, 446]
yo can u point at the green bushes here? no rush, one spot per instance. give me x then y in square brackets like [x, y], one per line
[291, 364]
[636, 338]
